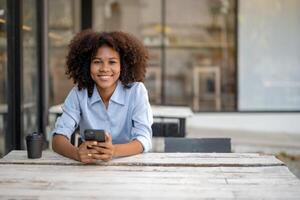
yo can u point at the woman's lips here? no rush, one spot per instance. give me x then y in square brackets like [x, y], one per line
[104, 77]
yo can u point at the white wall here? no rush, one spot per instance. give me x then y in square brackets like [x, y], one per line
[253, 122]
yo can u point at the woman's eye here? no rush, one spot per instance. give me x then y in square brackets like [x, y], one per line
[112, 62]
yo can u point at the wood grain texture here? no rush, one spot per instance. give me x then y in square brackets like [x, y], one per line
[148, 176]
[146, 182]
[155, 159]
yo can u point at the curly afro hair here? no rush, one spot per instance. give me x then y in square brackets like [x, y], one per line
[82, 48]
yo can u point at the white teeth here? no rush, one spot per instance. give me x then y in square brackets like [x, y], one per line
[104, 77]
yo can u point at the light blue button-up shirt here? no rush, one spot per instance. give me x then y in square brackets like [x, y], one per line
[127, 117]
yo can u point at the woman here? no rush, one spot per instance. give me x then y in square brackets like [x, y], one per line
[108, 70]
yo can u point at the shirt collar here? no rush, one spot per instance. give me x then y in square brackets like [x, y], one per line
[95, 96]
[118, 96]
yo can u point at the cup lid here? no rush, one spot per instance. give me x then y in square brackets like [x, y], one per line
[34, 136]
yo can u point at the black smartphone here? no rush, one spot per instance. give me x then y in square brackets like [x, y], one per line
[94, 135]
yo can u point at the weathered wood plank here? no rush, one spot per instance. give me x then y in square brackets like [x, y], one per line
[155, 159]
[48, 157]
[146, 182]
[148, 176]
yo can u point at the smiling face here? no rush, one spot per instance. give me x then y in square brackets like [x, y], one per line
[105, 70]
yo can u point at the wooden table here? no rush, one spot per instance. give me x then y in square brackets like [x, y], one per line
[162, 113]
[148, 176]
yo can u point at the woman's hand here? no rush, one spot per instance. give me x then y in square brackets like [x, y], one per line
[105, 150]
[86, 153]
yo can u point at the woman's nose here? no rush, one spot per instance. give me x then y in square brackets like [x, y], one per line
[104, 67]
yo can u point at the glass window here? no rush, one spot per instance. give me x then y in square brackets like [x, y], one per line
[200, 54]
[197, 53]
[269, 46]
[141, 18]
[30, 68]
[29, 75]
[3, 76]
[60, 33]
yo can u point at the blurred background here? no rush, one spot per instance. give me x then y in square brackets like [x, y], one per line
[234, 63]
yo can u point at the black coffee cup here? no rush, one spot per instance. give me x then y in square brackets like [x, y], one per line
[34, 143]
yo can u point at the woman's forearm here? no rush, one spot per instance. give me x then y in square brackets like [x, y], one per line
[61, 145]
[131, 148]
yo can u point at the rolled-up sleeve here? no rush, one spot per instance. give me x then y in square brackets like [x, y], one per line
[142, 118]
[69, 120]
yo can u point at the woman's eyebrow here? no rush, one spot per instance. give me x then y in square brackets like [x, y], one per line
[111, 58]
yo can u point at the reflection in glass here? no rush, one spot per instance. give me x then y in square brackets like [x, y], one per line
[197, 34]
[199, 49]
[60, 33]
[30, 68]
[3, 76]
[63, 24]
[153, 76]
[142, 18]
